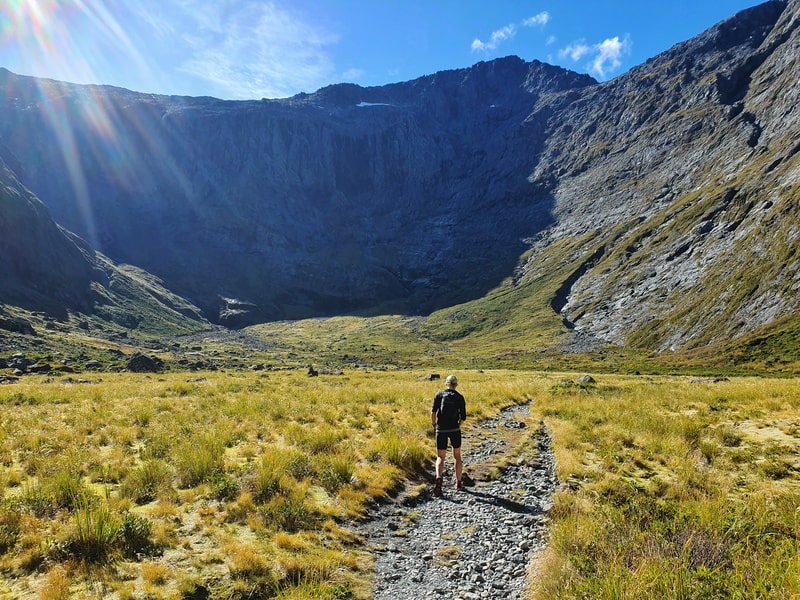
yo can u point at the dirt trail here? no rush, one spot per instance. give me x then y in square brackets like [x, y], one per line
[477, 543]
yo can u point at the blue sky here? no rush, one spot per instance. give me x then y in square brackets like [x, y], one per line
[245, 49]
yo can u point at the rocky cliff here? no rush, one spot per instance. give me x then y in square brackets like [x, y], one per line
[682, 176]
[46, 269]
[407, 197]
[674, 186]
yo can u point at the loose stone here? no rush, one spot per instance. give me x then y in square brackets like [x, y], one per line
[473, 544]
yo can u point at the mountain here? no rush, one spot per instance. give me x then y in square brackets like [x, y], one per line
[408, 197]
[683, 178]
[46, 269]
[656, 210]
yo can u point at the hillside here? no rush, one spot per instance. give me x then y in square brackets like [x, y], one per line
[520, 205]
[58, 278]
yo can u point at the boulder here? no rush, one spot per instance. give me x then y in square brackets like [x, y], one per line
[16, 325]
[144, 363]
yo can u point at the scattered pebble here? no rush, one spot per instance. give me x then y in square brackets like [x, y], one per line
[474, 544]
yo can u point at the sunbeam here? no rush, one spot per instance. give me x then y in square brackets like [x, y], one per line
[96, 129]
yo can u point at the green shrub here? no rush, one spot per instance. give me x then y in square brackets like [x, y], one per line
[134, 536]
[224, 486]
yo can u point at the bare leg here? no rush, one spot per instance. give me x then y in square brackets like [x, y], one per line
[440, 457]
[459, 463]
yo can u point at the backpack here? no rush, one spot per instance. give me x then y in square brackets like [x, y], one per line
[449, 414]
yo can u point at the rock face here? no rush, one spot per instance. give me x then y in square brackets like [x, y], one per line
[45, 268]
[407, 197]
[681, 180]
[674, 187]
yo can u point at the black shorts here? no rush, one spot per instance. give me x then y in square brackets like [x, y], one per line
[443, 436]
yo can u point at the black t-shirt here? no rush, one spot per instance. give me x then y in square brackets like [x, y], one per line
[451, 408]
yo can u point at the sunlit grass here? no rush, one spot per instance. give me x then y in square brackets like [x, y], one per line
[245, 477]
[239, 483]
[674, 489]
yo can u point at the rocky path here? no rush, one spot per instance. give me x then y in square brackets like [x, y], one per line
[472, 544]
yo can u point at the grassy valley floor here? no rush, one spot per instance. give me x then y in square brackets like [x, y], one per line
[239, 483]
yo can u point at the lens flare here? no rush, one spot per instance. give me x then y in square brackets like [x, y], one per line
[95, 129]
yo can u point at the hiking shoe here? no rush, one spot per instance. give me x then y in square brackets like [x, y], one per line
[437, 488]
[460, 485]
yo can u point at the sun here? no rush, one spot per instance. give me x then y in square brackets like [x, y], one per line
[78, 42]
[36, 26]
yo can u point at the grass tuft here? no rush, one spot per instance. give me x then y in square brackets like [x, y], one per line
[144, 483]
[672, 487]
[199, 459]
[96, 534]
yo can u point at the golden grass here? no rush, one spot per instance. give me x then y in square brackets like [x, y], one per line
[229, 481]
[675, 488]
[56, 585]
[238, 483]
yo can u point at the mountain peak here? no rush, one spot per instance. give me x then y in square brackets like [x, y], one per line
[627, 206]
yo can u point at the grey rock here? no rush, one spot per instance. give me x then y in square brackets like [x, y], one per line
[423, 194]
[144, 363]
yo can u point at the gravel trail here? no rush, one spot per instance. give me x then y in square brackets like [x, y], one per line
[472, 544]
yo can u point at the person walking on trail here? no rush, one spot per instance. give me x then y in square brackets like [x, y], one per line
[448, 412]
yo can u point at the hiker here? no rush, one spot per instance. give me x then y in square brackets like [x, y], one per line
[448, 412]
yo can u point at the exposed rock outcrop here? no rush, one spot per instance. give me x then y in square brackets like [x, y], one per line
[407, 197]
[664, 201]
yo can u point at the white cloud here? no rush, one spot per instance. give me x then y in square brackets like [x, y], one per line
[252, 49]
[606, 57]
[496, 39]
[509, 31]
[575, 51]
[539, 20]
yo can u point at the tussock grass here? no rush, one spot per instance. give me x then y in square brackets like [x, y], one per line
[56, 585]
[241, 478]
[674, 488]
[237, 484]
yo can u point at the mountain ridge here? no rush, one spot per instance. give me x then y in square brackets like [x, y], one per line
[51, 271]
[632, 211]
[231, 163]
